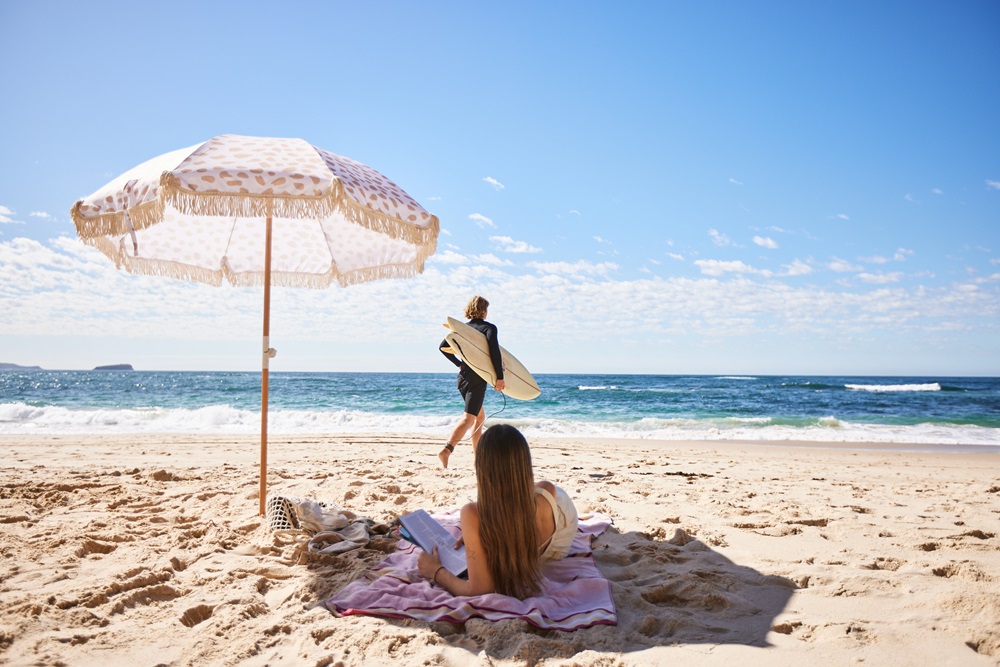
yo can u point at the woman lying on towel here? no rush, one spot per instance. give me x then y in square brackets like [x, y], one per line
[515, 525]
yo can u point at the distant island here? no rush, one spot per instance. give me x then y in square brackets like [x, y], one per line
[18, 367]
[115, 367]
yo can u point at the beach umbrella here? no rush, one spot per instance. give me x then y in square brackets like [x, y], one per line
[258, 211]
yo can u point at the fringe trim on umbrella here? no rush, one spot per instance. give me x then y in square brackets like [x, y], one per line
[113, 224]
[382, 223]
[153, 267]
[241, 204]
[321, 280]
[252, 206]
[379, 273]
[295, 206]
[279, 279]
[162, 267]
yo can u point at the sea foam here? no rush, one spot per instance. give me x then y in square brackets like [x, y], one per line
[22, 419]
[930, 386]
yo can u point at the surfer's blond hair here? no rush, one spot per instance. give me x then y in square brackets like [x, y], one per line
[506, 504]
[476, 308]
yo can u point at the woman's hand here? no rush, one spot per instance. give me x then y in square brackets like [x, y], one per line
[460, 542]
[499, 386]
[428, 564]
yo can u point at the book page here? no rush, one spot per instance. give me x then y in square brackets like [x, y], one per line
[428, 533]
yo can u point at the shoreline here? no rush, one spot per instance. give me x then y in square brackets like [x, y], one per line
[99, 439]
[145, 549]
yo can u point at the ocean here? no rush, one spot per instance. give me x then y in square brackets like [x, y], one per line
[947, 411]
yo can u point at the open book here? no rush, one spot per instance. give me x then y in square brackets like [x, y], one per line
[423, 530]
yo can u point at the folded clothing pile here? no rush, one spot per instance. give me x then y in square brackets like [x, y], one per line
[332, 529]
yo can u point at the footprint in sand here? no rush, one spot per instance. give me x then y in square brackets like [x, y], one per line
[685, 594]
[965, 569]
[786, 628]
[889, 564]
[196, 615]
[978, 534]
[94, 547]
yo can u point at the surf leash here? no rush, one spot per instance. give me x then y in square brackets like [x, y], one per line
[480, 427]
[466, 362]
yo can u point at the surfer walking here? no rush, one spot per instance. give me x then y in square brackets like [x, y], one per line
[470, 385]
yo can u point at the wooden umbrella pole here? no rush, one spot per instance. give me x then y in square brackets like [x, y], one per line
[264, 366]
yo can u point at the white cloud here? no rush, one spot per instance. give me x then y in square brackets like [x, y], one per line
[797, 268]
[493, 260]
[481, 220]
[677, 256]
[718, 238]
[843, 266]
[64, 286]
[507, 244]
[843, 216]
[765, 242]
[601, 239]
[497, 185]
[40, 214]
[447, 257]
[993, 185]
[910, 198]
[735, 182]
[880, 278]
[899, 256]
[937, 191]
[5, 218]
[573, 211]
[579, 269]
[716, 267]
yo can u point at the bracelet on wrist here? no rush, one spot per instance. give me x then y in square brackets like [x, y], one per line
[435, 577]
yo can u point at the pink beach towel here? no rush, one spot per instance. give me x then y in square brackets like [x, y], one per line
[574, 593]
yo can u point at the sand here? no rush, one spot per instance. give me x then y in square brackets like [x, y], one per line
[148, 550]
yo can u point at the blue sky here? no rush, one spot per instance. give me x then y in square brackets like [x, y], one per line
[664, 187]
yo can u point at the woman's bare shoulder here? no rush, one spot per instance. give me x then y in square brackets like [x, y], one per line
[470, 511]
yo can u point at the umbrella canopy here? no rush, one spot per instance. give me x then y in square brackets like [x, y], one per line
[258, 211]
[199, 214]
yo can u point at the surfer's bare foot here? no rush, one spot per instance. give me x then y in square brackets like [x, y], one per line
[445, 454]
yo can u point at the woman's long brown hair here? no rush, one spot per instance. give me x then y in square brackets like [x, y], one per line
[507, 511]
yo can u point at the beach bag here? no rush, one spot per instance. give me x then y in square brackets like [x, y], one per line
[280, 515]
[287, 514]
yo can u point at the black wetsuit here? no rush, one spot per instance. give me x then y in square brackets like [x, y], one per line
[470, 385]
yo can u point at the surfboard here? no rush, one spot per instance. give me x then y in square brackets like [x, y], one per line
[470, 344]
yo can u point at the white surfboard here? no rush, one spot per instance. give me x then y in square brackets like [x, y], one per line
[470, 344]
